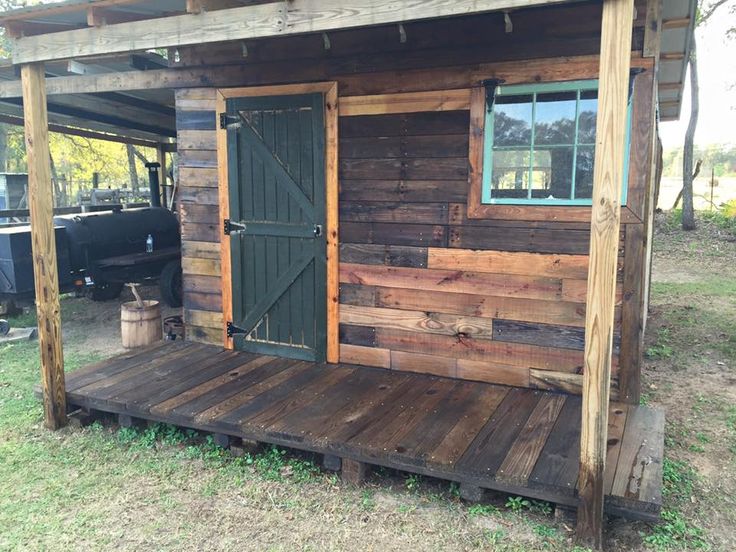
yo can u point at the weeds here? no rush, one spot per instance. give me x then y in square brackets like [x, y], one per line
[662, 347]
[518, 503]
[477, 510]
[676, 533]
[413, 483]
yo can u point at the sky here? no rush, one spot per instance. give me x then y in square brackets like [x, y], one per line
[717, 76]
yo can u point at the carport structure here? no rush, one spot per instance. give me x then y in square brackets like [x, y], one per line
[285, 59]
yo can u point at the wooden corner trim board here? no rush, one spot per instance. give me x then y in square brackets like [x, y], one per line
[329, 90]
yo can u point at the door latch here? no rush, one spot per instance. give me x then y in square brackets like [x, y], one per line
[228, 227]
[317, 230]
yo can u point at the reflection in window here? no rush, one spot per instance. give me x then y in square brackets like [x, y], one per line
[542, 144]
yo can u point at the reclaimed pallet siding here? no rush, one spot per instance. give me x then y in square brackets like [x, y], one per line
[198, 211]
[407, 248]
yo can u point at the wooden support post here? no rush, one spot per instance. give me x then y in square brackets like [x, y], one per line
[41, 205]
[353, 471]
[616, 30]
[221, 440]
[471, 493]
[332, 462]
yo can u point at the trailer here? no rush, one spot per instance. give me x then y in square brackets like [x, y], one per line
[97, 253]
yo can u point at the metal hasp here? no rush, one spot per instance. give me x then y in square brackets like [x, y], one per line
[153, 183]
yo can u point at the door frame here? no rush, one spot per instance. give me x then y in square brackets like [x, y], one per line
[329, 94]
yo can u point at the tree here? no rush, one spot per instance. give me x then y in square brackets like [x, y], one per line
[704, 12]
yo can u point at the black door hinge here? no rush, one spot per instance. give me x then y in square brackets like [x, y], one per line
[229, 121]
[232, 329]
[228, 227]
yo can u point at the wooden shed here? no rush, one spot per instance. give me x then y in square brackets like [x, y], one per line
[415, 234]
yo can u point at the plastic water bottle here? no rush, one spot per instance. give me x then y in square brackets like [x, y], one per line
[149, 244]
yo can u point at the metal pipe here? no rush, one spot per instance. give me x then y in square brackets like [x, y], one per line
[153, 183]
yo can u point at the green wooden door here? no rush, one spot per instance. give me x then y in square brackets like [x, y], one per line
[276, 180]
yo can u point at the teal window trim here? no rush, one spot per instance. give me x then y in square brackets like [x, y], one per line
[577, 86]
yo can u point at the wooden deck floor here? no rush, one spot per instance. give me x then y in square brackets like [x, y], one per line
[515, 440]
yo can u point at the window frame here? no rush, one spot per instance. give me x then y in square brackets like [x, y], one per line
[578, 86]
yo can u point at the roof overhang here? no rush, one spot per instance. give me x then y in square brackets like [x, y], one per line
[678, 21]
[82, 29]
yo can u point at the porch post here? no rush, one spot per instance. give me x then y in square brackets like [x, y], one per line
[41, 205]
[613, 88]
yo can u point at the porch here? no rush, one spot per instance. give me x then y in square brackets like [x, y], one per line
[513, 440]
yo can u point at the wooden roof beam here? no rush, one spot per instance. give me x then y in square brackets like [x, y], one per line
[280, 18]
[84, 133]
[679, 23]
[198, 6]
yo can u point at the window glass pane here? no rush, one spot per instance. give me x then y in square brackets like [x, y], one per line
[510, 178]
[586, 117]
[512, 121]
[584, 172]
[554, 118]
[552, 173]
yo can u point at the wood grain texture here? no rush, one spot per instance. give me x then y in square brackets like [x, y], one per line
[510, 354]
[502, 262]
[223, 202]
[453, 281]
[418, 321]
[382, 104]
[601, 297]
[43, 242]
[632, 317]
[366, 356]
[332, 190]
[475, 433]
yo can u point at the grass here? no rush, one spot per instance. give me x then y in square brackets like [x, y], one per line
[159, 487]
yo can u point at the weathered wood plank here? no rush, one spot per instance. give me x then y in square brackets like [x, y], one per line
[420, 235]
[418, 321]
[389, 255]
[511, 354]
[504, 262]
[403, 191]
[382, 104]
[386, 147]
[446, 168]
[203, 267]
[424, 364]
[367, 356]
[453, 281]
[523, 454]
[380, 211]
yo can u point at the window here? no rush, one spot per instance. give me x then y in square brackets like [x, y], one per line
[540, 143]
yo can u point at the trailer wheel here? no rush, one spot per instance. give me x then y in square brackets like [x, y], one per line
[4, 327]
[170, 284]
[105, 291]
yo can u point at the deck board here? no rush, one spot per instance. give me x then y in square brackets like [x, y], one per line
[511, 439]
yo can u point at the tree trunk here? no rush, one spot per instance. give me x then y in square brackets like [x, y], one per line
[131, 167]
[688, 212]
[3, 147]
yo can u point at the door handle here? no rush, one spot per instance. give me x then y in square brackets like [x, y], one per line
[317, 230]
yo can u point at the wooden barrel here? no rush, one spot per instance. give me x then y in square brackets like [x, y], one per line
[140, 326]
